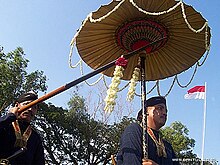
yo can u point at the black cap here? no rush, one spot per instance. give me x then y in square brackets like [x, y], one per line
[27, 96]
[155, 100]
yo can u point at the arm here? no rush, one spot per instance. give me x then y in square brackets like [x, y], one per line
[131, 146]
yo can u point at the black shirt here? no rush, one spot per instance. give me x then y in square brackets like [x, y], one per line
[131, 149]
[34, 155]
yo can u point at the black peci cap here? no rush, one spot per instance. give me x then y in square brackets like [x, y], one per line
[155, 100]
[27, 96]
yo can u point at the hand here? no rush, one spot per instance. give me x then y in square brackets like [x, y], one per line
[148, 162]
[14, 110]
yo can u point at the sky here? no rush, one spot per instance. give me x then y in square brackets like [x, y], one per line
[44, 29]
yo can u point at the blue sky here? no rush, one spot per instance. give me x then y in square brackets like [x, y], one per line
[44, 30]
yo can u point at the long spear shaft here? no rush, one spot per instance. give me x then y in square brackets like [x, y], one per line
[85, 77]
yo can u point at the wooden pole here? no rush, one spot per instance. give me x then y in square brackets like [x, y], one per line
[85, 77]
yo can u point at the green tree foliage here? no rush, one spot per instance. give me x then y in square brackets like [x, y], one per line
[73, 137]
[14, 78]
[177, 134]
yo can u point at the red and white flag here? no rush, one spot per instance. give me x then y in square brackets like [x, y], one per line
[197, 92]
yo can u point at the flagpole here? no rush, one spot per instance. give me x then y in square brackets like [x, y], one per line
[204, 125]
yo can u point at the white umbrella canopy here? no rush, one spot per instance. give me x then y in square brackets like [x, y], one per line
[124, 26]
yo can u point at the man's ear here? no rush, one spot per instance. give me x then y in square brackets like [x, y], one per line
[16, 104]
[147, 111]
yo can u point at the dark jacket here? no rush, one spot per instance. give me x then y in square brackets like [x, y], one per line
[131, 148]
[34, 155]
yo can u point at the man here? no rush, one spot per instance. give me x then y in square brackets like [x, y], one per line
[16, 134]
[131, 143]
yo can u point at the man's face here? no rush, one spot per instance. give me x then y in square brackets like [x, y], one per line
[28, 114]
[157, 115]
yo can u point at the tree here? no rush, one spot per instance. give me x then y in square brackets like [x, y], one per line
[177, 135]
[14, 78]
[71, 136]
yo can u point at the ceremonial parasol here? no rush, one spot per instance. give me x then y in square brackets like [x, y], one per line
[175, 35]
[126, 25]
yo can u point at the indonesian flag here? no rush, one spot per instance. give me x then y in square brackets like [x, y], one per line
[197, 92]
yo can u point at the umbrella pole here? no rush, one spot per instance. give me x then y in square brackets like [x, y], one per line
[143, 103]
